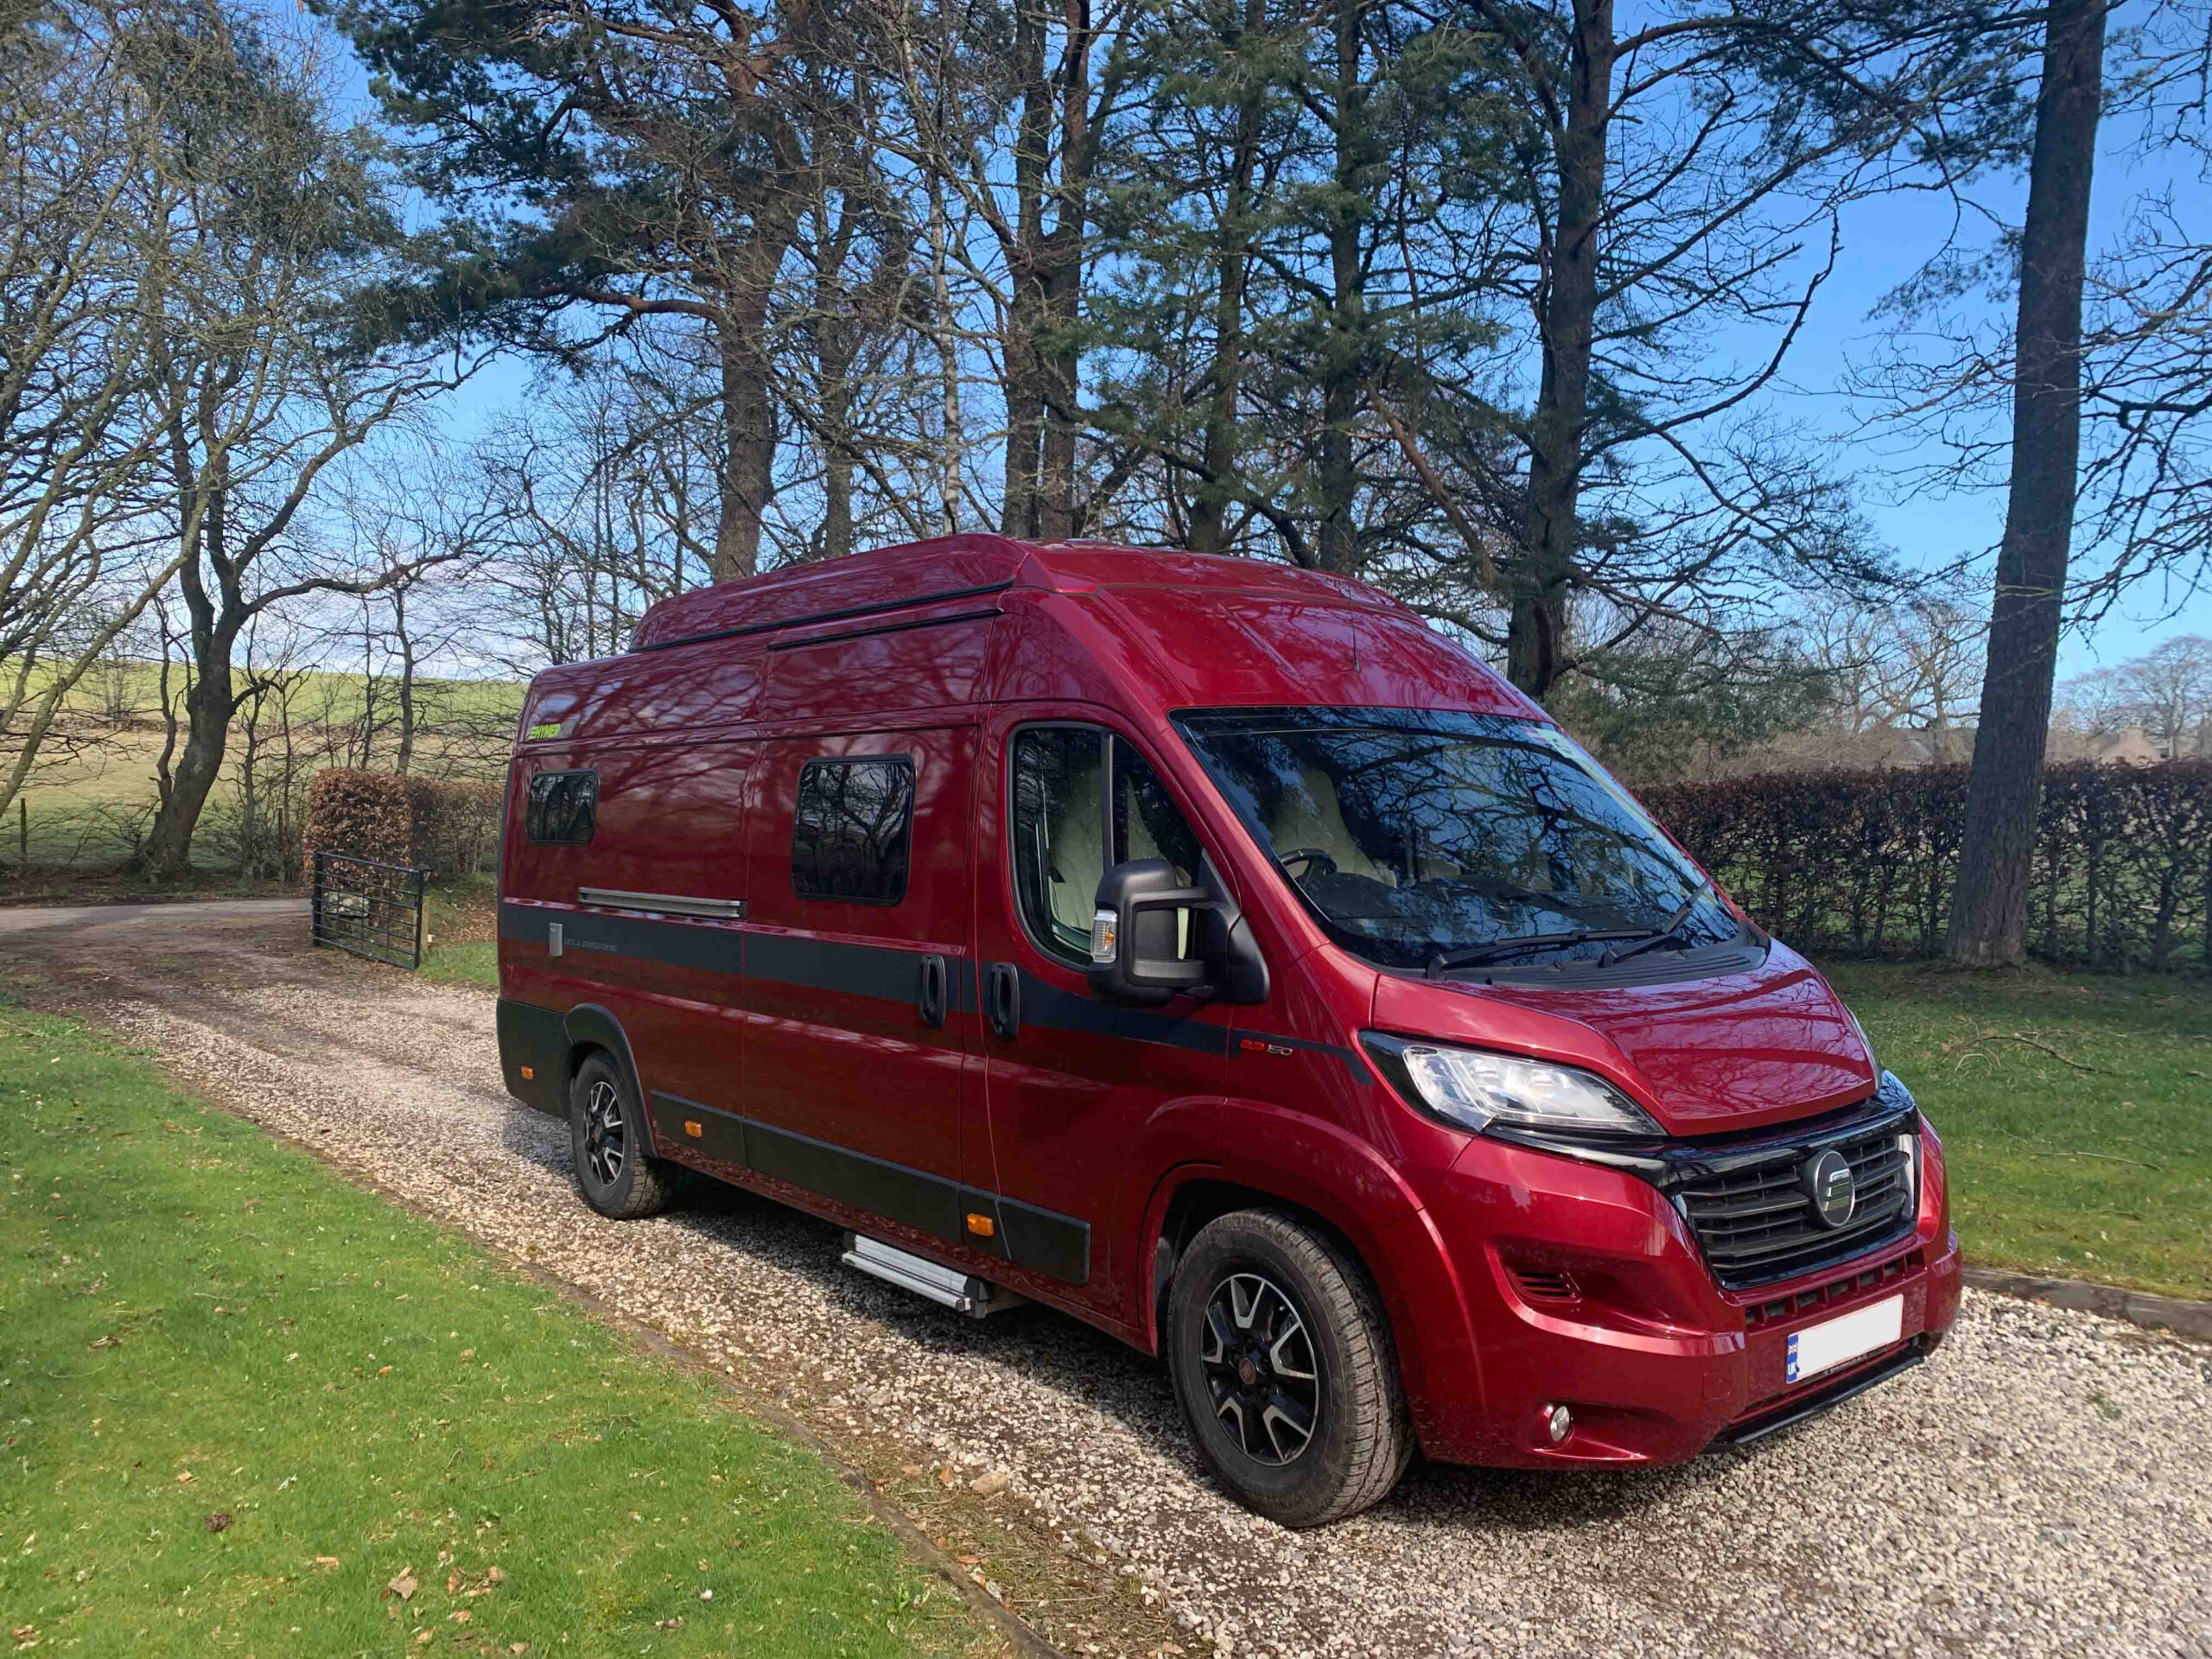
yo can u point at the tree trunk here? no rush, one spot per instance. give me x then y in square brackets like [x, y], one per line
[406, 755]
[1210, 507]
[749, 434]
[1060, 363]
[1989, 902]
[1535, 633]
[1027, 311]
[1343, 371]
[166, 854]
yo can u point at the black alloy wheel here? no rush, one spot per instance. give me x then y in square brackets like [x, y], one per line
[1282, 1362]
[612, 1144]
[1260, 1368]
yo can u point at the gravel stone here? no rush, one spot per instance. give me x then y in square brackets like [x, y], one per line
[2043, 1486]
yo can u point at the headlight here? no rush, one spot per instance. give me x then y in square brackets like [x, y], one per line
[1474, 1089]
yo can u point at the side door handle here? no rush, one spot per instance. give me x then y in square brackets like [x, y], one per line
[931, 997]
[1003, 999]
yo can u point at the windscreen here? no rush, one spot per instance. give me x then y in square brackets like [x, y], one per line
[1417, 836]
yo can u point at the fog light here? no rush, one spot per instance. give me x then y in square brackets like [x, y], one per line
[1558, 1421]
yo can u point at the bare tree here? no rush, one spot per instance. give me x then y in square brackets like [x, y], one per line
[257, 367]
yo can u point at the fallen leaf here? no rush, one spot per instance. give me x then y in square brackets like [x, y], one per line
[460, 1617]
[971, 1561]
[184, 1477]
[219, 1521]
[105, 1342]
[453, 1582]
[989, 1484]
[403, 1587]
[517, 1647]
[496, 1576]
[325, 1561]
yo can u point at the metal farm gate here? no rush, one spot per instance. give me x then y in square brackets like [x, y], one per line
[370, 908]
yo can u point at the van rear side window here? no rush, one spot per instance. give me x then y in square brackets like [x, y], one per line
[851, 833]
[563, 807]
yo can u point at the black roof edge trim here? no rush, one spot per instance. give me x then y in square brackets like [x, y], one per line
[873, 628]
[826, 616]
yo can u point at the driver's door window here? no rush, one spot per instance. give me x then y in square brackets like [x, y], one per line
[1084, 800]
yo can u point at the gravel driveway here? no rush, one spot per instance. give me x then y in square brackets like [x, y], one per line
[2044, 1486]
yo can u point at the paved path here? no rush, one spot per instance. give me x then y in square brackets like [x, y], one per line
[2043, 1487]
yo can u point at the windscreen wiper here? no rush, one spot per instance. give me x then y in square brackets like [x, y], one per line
[1670, 933]
[1441, 962]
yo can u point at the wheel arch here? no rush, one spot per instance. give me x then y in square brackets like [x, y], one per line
[1340, 1185]
[593, 1029]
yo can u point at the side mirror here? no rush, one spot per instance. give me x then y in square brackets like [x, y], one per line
[1137, 931]
[1143, 951]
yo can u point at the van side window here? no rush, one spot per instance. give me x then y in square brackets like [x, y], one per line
[1062, 827]
[563, 807]
[1059, 841]
[852, 830]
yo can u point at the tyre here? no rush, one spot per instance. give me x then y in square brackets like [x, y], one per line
[1283, 1365]
[609, 1139]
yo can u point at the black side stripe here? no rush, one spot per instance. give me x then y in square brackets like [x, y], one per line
[1046, 1004]
[855, 969]
[873, 971]
[1042, 1241]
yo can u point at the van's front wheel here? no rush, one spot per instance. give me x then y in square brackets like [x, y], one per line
[610, 1142]
[1282, 1364]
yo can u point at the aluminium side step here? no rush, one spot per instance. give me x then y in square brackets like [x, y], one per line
[947, 1287]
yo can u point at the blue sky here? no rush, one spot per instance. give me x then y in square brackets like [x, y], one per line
[1885, 240]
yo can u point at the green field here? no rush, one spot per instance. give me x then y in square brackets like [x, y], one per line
[2075, 1113]
[96, 779]
[247, 1409]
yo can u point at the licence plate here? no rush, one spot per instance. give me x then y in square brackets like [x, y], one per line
[1823, 1347]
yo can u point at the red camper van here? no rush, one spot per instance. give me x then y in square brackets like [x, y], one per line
[1214, 952]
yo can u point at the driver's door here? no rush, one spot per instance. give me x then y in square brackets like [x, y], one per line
[1069, 1078]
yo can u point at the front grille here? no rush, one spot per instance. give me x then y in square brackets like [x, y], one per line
[1756, 1222]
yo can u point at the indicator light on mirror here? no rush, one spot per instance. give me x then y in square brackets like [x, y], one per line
[529, 1073]
[1105, 937]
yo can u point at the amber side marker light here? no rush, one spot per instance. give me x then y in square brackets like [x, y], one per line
[694, 1129]
[529, 1072]
[981, 1226]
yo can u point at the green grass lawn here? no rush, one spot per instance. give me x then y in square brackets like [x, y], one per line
[460, 930]
[2075, 1113]
[246, 1408]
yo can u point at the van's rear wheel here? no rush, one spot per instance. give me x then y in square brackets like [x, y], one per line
[609, 1137]
[1283, 1366]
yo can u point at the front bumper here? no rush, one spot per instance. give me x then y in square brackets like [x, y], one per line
[1583, 1287]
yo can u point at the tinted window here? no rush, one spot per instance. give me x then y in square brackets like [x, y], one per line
[1409, 832]
[851, 833]
[563, 806]
[1147, 821]
[1058, 833]
[1060, 824]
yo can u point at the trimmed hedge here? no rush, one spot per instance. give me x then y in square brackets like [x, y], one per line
[1863, 861]
[448, 829]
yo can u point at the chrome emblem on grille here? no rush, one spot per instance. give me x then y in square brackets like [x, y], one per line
[1832, 1187]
